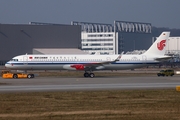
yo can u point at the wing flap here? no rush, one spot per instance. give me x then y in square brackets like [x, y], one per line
[101, 63]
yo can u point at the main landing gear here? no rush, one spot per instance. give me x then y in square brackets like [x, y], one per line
[91, 75]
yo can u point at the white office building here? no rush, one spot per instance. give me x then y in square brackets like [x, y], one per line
[98, 43]
[173, 45]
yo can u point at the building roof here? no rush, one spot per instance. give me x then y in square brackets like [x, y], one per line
[58, 51]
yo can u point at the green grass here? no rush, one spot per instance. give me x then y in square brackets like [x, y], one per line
[88, 105]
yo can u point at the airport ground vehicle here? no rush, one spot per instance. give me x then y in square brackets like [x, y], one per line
[166, 73]
[8, 74]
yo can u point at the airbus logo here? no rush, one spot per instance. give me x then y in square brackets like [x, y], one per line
[161, 44]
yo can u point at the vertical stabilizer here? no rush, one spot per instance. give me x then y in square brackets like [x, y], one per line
[159, 46]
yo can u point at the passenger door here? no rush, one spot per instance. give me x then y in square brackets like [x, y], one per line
[25, 60]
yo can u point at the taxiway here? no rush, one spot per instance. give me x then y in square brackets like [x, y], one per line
[98, 83]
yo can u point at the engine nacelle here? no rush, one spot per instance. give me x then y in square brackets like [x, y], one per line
[78, 66]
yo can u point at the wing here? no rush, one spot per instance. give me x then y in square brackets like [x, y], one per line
[93, 65]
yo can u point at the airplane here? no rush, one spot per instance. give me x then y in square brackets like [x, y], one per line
[90, 63]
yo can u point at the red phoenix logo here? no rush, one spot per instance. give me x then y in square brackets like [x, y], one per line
[161, 45]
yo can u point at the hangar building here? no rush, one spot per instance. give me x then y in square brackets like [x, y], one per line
[17, 39]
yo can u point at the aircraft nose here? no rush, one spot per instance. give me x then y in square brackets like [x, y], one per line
[7, 65]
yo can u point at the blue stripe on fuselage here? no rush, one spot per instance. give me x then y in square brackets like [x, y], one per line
[65, 63]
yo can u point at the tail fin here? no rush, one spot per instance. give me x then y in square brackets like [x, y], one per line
[158, 47]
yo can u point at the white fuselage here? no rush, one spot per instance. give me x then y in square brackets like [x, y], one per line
[65, 62]
[90, 63]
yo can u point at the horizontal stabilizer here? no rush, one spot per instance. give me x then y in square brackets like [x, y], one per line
[164, 58]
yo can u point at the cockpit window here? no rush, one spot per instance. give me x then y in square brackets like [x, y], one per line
[14, 60]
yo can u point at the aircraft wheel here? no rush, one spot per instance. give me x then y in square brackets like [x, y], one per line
[91, 75]
[29, 76]
[86, 74]
[15, 76]
[32, 75]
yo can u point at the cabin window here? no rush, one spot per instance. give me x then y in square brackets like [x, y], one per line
[14, 60]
